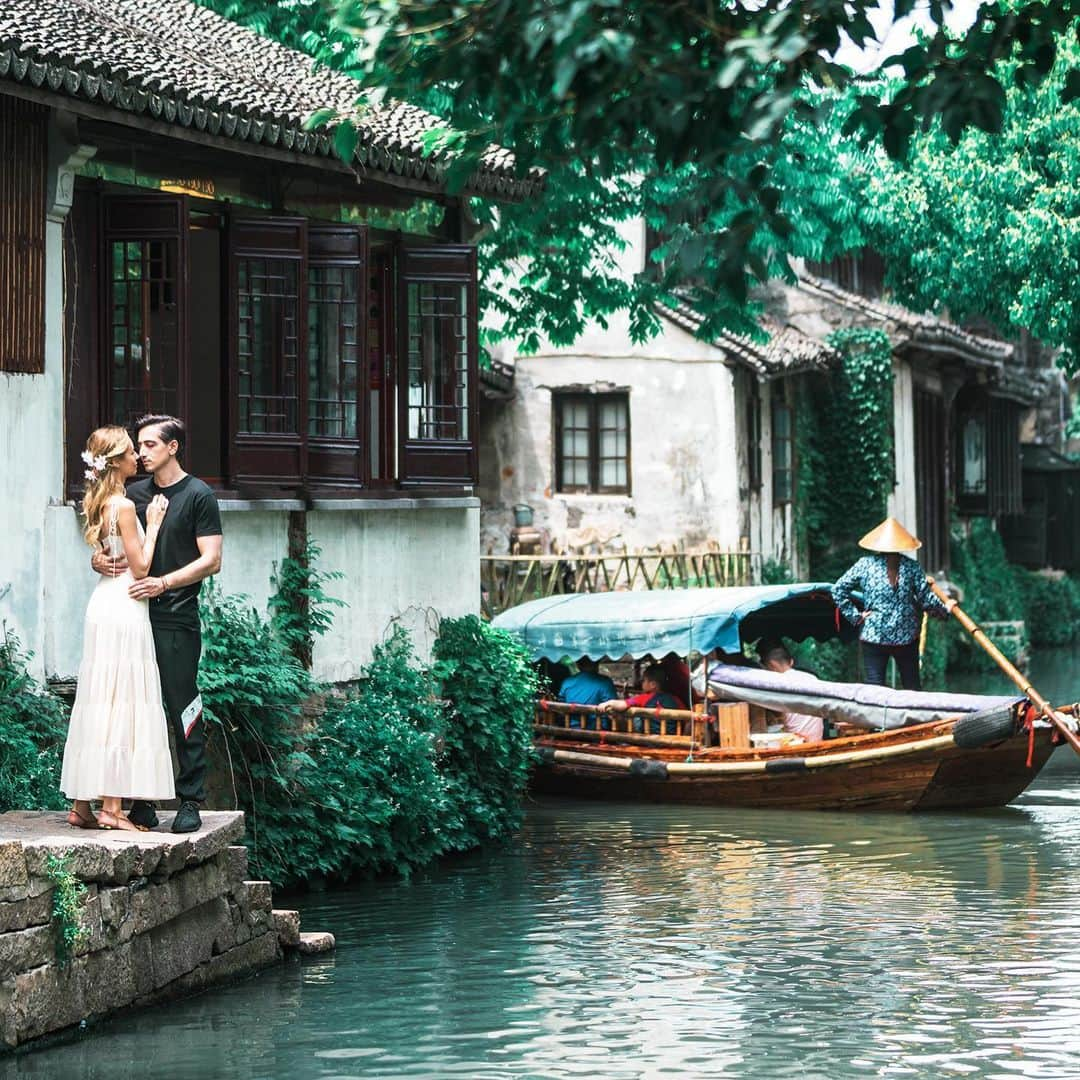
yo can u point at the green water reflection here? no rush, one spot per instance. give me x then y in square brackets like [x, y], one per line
[624, 941]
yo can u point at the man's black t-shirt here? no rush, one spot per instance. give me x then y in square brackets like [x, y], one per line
[193, 512]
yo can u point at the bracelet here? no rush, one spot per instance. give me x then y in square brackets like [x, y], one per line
[164, 586]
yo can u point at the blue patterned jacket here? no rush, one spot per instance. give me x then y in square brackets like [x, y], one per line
[895, 614]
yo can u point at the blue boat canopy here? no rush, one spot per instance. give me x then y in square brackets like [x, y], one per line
[680, 621]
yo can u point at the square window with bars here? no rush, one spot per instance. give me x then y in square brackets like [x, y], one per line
[592, 442]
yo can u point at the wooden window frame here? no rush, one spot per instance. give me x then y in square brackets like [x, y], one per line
[778, 404]
[754, 470]
[23, 177]
[438, 461]
[261, 460]
[592, 400]
[276, 462]
[336, 460]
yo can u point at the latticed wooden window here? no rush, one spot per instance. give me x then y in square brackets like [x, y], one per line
[592, 442]
[437, 400]
[23, 162]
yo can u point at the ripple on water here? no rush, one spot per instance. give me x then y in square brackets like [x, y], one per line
[615, 941]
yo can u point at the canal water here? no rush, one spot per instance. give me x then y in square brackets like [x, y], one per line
[639, 941]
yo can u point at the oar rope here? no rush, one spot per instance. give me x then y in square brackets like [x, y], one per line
[1006, 665]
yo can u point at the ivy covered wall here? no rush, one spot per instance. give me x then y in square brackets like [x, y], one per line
[844, 448]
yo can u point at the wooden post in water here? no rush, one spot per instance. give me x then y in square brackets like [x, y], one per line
[1010, 669]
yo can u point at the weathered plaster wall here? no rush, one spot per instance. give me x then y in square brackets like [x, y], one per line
[414, 563]
[31, 449]
[407, 565]
[684, 476]
[902, 501]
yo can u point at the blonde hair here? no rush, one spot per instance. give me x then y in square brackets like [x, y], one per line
[102, 484]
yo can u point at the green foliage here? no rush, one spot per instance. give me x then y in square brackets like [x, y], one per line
[300, 607]
[776, 572]
[985, 225]
[490, 688]
[845, 451]
[835, 660]
[67, 897]
[1051, 606]
[33, 727]
[991, 593]
[699, 121]
[409, 766]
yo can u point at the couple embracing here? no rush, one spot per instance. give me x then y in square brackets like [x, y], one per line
[154, 541]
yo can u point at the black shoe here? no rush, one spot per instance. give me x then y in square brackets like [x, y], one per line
[143, 813]
[187, 817]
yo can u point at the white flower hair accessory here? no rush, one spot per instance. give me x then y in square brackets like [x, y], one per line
[97, 465]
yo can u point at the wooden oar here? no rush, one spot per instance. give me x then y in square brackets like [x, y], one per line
[1003, 662]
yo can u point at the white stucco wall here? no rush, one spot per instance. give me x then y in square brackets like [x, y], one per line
[31, 449]
[411, 566]
[902, 501]
[683, 471]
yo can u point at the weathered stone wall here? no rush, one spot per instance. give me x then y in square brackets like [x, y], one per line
[162, 916]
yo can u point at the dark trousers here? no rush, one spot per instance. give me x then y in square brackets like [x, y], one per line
[876, 660]
[178, 653]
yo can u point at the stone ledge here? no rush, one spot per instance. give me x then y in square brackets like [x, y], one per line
[109, 857]
[161, 915]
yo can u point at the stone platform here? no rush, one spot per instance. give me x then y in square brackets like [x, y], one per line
[161, 916]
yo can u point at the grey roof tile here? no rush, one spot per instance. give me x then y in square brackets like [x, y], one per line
[787, 352]
[175, 60]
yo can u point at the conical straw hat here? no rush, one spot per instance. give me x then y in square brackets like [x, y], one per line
[890, 535]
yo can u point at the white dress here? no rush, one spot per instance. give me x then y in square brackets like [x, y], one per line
[118, 742]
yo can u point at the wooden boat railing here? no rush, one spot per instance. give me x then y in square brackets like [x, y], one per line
[556, 718]
[509, 580]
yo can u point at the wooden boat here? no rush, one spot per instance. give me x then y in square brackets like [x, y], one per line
[968, 751]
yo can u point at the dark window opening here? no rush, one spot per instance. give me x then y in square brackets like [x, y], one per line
[753, 436]
[592, 442]
[783, 451]
[861, 272]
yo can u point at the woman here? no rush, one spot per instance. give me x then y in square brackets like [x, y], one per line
[895, 593]
[117, 745]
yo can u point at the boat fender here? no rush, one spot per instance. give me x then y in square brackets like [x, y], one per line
[545, 755]
[985, 727]
[644, 769]
[791, 764]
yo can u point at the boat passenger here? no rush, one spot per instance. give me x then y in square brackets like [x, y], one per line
[587, 687]
[895, 593]
[654, 695]
[775, 657]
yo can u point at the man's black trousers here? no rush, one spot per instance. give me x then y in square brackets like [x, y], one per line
[178, 652]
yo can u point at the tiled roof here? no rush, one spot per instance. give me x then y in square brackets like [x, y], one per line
[178, 63]
[1007, 375]
[930, 332]
[787, 352]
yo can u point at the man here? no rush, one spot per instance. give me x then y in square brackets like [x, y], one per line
[188, 550]
[775, 657]
[587, 687]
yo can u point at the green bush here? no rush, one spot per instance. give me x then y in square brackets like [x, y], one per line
[1051, 606]
[33, 727]
[489, 687]
[300, 609]
[991, 592]
[252, 691]
[409, 766]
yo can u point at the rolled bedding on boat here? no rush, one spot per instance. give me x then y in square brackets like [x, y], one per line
[874, 708]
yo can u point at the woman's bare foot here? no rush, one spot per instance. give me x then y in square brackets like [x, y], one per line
[110, 821]
[80, 816]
